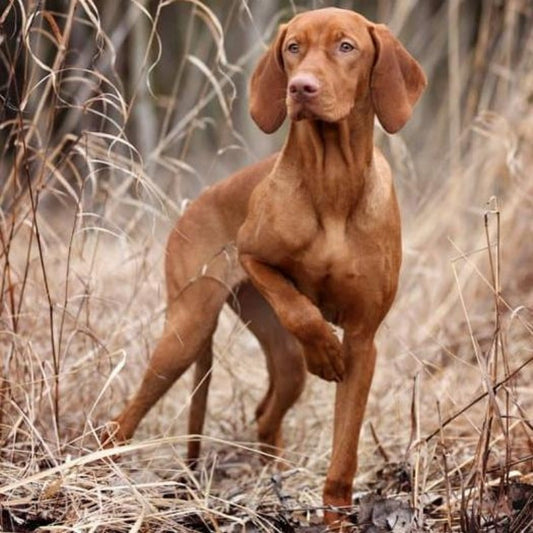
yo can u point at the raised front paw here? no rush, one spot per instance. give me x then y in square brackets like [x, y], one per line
[323, 355]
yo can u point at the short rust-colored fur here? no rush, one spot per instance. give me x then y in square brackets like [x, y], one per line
[317, 232]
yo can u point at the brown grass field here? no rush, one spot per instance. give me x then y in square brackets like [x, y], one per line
[112, 116]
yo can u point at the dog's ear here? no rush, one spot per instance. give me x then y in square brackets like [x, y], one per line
[268, 88]
[397, 80]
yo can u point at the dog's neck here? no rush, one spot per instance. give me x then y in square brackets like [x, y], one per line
[338, 149]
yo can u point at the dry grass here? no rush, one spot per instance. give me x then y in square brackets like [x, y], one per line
[109, 120]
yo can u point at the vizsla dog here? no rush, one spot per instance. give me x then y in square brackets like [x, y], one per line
[317, 232]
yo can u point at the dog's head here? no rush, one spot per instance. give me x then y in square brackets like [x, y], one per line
[324, 62]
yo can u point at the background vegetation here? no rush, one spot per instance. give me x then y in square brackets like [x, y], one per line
[112, 116]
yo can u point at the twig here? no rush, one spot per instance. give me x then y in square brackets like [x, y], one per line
[478, 399]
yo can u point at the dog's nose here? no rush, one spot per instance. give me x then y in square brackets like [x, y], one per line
[304, 86]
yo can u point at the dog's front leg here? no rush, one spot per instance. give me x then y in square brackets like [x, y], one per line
[350, 402]
[322, 349]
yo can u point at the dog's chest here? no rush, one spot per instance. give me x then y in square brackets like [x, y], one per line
[342, 268]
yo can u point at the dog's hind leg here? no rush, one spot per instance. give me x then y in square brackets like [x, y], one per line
[202, 379]
[285, 364]
[191, 321]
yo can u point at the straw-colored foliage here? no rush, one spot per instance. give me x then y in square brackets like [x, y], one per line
[112, 115]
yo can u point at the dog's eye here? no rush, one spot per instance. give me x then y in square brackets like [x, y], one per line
[345, 46]
[293, 48]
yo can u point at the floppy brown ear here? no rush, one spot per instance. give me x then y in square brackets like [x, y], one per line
[397, 80]
[268, 88]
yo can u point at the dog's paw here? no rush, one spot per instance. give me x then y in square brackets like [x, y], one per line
[111, 436]
[323, 356]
